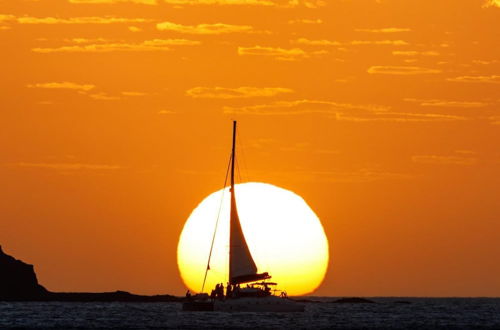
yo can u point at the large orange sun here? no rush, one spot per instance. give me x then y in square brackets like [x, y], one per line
[284, 235]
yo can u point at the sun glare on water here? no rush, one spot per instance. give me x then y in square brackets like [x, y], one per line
[284, 235]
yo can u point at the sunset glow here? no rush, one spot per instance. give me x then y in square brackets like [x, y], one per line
[284, 235]
[384, 115]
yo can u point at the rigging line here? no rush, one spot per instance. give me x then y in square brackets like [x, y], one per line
[216, 224]
[243, 156]
[238, 171]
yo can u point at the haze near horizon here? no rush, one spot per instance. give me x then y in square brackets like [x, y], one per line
[383, 115]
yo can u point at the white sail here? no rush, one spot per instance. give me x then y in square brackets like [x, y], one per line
[241, 263]
[242, 267]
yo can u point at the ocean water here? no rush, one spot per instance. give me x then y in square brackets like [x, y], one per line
[386, 313]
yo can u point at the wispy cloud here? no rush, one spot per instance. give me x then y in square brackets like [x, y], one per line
[401, 70]
[444, 160]
[166, 112]
[147, 45]
[134, 29]
[67, 166]
[222, 2]
[361, 175]
[275, 3]
[380, 42]
[63, 85]
[233, 93]
[134, 94]
[447, 103]
[493, 79]
[323, 42]
[279, 53]
[79, 20]
[306, 3]
[384, 30]
[4, 20]
[305, 21]
[399, 117]
[142, 2]
[339, 111]
[216, 28]
[305, 41]
[101, 96]
[414, 53]
[491, 3]
[300, 107]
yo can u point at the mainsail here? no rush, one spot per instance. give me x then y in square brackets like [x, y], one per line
[242, 267]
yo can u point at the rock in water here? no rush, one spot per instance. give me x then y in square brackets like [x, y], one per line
[18, 280]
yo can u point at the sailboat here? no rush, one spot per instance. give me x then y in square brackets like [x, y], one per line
[256, 295]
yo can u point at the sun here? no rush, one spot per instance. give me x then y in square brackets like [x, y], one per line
[284, 235]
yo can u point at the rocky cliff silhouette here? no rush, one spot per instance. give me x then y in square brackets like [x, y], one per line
[18, 279]
[18, 282]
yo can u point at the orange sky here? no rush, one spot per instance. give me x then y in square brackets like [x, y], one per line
[384, 115]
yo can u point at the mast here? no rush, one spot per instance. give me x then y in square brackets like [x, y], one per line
[233, 157]
[242, 267]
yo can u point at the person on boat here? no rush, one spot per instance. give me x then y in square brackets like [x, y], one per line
[221, 291]
[236, 290]
[267, 290]
[188, 294]
[212, 295]
[228, 291]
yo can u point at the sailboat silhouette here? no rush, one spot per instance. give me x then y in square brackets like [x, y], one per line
[256, 296]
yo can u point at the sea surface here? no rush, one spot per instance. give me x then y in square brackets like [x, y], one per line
[385, 313]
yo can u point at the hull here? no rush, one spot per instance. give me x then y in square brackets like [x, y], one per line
[270, 304]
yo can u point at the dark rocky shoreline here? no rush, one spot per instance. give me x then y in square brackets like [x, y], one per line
[18, 282]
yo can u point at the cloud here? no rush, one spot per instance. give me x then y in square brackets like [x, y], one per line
[305, 21]
[148, 45]
[339, 111]
[300, 107]
[166, 112]
[63, 85]
[278, 53]
[134, 93]
[444, 160]
[217, 28]
[414, 53]
[401, 70]
[493, 79]
[448, 103]
[380, 42]
[4, 20]
[384, 30]
[491, 3]
[361, 175]
[68, 166]
[399, 117]
[233, 93]
[305, 41]
[134, 29]
[104, 97]
[271, 3]
[142, 2]
[306, 3]
[221, 2]
[79, 20]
